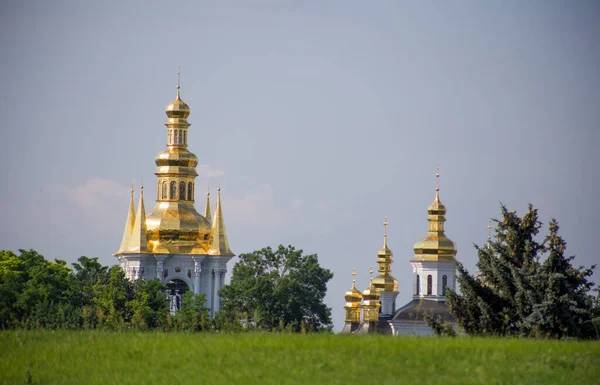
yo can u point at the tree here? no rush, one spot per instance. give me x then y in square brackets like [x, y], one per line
[273, 289]
[525, 287]
[111, 299]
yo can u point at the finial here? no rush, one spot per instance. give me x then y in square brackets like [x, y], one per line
[132, 182]
[437, 179]
[371, 273]
[385, 223]
[208, 190]
[178, 76]
[353, 276]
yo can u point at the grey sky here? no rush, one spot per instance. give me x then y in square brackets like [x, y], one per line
[317, 119]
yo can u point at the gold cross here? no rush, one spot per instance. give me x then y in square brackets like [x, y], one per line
[353, 275]
[371, 273]
[385, 223]
[178, 75]
[437, 179]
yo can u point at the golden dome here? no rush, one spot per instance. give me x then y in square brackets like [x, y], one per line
[177, 228]
[388, 283]
[177, 157]
[435, 246]
[177, 108]
[353, 295]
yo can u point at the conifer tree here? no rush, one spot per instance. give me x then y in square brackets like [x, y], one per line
[524, 287]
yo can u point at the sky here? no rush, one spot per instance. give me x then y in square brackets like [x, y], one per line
[317, 120]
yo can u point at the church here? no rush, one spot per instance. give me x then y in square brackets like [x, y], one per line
[185, 250]
[434, 270]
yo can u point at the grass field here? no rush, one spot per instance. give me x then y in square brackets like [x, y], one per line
[180, 358]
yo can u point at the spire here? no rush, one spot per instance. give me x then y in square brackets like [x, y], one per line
[219, 244]
[437, 184]
[385, 223]
[207, 213]
[384, 281]
[178, 77]
[128, 225]
[139, 241]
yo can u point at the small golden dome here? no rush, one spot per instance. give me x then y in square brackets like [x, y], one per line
[388, 283]
[371, 293]
[177, 108]
[353, 295]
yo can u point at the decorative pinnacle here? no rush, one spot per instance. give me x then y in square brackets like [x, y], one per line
[385, 223]
[371, 273]
[208, 190]
[437, 179]
[353, 276]
[178, 76]
[132, 181]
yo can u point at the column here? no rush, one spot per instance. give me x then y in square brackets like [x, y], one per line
[212, 293]
[159, 266]
[197, 273]
[220, 279]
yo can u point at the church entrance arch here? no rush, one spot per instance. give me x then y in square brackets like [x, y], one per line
[176, 288]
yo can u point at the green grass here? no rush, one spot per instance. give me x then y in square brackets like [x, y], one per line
[179, 358]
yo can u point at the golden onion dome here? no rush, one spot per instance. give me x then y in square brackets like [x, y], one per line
[177, 108]
[353, 295]
[371, 293]
[385, 281]
[388, 283]
[435, 246]
[176, 157]
[177, 228]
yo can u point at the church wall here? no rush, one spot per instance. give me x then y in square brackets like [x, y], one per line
[412, 328]
[437, 270]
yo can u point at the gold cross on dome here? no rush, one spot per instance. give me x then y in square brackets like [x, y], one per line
[353, 275]
[437, 179]
[371, 273]
[178, 75]
[385, 223]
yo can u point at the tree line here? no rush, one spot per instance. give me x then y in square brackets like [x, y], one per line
[278, 289]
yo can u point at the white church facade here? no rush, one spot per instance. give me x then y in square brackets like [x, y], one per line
[185, 250]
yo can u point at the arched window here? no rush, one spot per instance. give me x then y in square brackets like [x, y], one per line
[182, 191]
[429, 284]
[173, 190]
[418, 285]
[164, 190]
[444, 284]
[190, 191]
[175, 138]
[180, 137]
